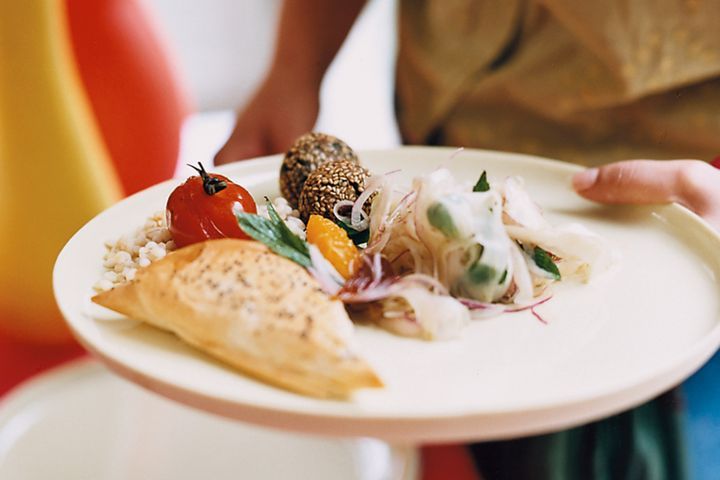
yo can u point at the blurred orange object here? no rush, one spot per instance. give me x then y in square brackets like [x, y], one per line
[134, 93]
[334, 243]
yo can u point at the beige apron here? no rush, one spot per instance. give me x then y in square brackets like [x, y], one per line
[583, 81]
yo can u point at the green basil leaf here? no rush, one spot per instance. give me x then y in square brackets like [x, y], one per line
[543, 260]
[259, 228]
[357, 237]
[439, 217]
[482, 184]
[285, 233]
[480, 273]
[275, 235]
[503, 277]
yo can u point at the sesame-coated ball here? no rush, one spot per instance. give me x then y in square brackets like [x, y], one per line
[330, 183]
[308, 153]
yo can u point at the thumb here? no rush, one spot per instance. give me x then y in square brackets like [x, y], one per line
[632, 181]
[692, 183]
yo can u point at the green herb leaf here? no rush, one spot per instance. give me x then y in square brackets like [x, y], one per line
[275, 235]
[357, 237]
[544, 260]
[503, 277]
[482, 184]
[439, 217]
[480, 273]
[285, 233]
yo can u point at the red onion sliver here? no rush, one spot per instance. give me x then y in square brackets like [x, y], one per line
[336, 211]
[425, 281]
[374, 184]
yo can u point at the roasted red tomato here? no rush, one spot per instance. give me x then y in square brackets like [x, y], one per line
[202, 208]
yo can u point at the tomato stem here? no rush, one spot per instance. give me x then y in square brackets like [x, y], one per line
[211, 185]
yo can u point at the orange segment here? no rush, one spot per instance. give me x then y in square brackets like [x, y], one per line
[334, 243]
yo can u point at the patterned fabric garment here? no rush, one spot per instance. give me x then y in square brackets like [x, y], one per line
[645, 443]
[583, 81]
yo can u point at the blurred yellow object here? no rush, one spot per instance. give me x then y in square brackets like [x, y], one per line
[56, 174]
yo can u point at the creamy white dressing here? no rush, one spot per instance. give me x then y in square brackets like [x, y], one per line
[487, 246]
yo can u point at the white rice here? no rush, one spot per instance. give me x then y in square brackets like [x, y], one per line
[122, 258]
[290, 215]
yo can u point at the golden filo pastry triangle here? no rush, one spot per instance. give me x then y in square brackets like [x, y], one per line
[252, 309]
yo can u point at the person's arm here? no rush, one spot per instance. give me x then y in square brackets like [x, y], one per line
[692, 183]
[286, 104]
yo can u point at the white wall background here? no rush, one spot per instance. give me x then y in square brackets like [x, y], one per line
[222, 49]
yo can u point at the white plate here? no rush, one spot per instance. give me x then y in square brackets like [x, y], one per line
[631, 334]
[79, 422]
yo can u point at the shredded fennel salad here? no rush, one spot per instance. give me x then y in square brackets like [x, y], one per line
[468, 251]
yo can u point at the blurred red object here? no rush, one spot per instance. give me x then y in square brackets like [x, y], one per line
[716, 162]
[20, 360]
[135, 95]
[440, 462]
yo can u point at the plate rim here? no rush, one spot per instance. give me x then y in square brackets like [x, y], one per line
[661, 379]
